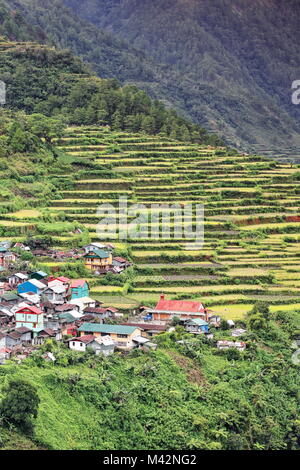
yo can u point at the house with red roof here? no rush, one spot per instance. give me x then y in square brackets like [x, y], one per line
[79, 288]
[64, 280]
[30, 317]
[166, 310]
[101, 345]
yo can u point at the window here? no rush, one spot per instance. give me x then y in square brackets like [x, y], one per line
[122, 336]
[73, 343]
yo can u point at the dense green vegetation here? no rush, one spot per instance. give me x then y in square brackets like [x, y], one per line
[72, 141]
[251, 249]
[180, 397]
[227, 65]
[42, 80]
[14, 26]
[227, 55]
[19, 407]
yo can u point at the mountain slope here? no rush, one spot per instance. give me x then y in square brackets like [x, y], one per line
[41, 79]
[14, 27]
[233, 62]
[109, 57]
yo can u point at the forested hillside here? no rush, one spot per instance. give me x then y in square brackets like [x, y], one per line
[186, 396]
[109, 57]
[235, 60]
[14, 26]
[226, 66]
[43, 80]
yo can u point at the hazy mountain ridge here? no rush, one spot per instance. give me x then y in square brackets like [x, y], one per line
[226, 65]
[235, 60]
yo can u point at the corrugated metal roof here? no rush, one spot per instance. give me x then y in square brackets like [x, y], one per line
[33, 309]
[77, 283]
[98, 253]
[117, 329]
[198, 322]
[179, 305]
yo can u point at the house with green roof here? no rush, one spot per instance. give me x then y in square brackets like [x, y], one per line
[9, 298]
[39, 275]
[96, 260]
[122, 335]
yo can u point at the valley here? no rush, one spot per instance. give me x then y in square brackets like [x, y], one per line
[111, 342]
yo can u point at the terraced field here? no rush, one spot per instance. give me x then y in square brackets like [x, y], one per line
[252, 221]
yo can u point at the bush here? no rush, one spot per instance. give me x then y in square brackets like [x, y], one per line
[20, 405]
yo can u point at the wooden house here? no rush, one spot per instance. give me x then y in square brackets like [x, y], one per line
[83, 302]
[15, 279]
[67, 324]
[149, 329]
[197, 326]
[97, 259]
[100, 345]
[39, 275]
[55, 293]
[12, 340]
[120, 263]
[7, 258]
[62, 279]
[100, 313]
[6, 316]
[47, 333]
[25, 334]
[32, 285]
[9, 299]
[97, 246]
[18, 337]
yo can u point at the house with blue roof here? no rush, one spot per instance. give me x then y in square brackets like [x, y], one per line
[32, 285]
[197, 326]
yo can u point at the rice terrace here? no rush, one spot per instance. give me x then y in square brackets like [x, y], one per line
[149, 228]
[252, 221]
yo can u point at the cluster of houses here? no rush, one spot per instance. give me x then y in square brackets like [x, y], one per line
[35, 307]
[97, 257]
[39, 307]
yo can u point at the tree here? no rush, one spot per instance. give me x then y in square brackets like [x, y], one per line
[20, 140]
[263, 308]
[148, 125]
[45, 127]
[20, 405]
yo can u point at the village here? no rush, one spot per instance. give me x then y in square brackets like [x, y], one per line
[36, 307]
